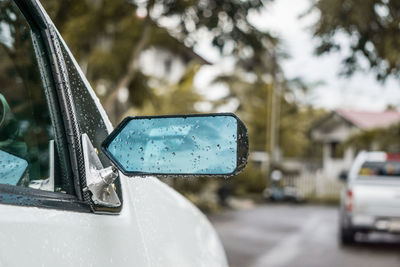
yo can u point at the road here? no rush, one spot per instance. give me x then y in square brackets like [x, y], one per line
[298, 236]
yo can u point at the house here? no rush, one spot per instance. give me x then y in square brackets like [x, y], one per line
[337, 127]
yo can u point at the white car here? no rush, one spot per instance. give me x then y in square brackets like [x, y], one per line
[65, 195]
[371, 200]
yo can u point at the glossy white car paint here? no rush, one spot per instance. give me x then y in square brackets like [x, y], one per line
[156, 227]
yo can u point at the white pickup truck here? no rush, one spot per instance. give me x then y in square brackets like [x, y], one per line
[371, 199]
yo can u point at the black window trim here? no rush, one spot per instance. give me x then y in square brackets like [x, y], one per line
[29, 197]
[23, 196]
[101, 209]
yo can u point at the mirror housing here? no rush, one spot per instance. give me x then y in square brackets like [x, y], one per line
[179, 145]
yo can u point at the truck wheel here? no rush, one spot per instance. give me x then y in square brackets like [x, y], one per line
[347, 236]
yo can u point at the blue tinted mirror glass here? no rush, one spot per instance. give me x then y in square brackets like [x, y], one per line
[179, 145]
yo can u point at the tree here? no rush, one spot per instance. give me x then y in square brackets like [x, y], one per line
[372, 27]
[385, 139]
[176, 98]
[253, 93]
[108, 36]
[295, 117]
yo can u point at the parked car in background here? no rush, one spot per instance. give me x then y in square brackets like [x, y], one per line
[371, 199]
[283, 194]
[65, 195]
[278, 192]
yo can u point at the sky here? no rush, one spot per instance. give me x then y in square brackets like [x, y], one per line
[360, 92]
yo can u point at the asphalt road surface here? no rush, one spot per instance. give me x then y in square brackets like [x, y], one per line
[298, 236]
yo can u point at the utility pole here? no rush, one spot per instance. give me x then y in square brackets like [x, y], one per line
[273, 120]
[276, 121]
[268, 102]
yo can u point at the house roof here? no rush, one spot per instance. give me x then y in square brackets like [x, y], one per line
[367, 120]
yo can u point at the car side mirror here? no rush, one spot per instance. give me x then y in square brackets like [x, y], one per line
[179, 145]
[343, 176]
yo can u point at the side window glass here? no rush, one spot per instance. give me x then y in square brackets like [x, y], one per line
[27, 149]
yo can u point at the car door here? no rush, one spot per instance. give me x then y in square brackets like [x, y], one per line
[47, 217]
[44, 219]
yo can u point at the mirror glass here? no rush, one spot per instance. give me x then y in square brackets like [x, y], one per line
[179, 145]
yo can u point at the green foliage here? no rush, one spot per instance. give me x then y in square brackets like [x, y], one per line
[253, 107]
[251, 180]
[108, 37]
[255, 104]
[227, 21]
[294, 129]
[254, 96]
[385, 139]
[165, 98]
[373, 30]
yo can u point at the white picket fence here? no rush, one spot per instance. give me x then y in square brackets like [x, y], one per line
[313, 184]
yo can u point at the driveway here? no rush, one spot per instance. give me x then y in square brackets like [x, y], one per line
[298, 235]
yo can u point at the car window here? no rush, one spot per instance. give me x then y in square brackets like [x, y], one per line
[27, 149]
[380, 168]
